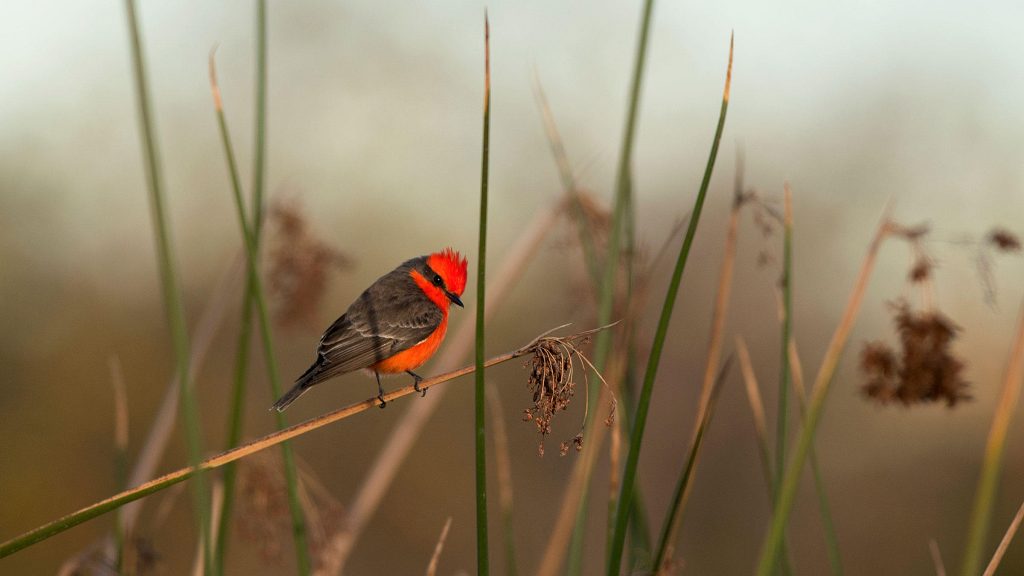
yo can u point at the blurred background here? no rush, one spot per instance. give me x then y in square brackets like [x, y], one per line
[374, 134]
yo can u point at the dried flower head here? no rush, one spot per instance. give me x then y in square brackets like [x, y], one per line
[552, 386]
[298, 264]
[926, 370]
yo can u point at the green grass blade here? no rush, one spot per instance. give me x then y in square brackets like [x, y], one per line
[674, 517]
[171, 284]
[785, 379]
[235, 420]
[602, 345]
[482, 563]
[988, 484]
[629, 475]
[290, 474]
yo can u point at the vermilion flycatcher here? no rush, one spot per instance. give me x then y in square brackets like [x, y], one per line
[394, 326]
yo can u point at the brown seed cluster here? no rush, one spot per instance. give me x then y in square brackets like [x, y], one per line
[1004, 240]
[924, 371]
[552, 385]
[298, 265]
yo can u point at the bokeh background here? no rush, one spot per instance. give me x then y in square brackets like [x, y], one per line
[374, 129]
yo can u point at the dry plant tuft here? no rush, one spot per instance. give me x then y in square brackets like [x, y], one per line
[552, 385]
[263, 516]
[298, 265]
[925, 371]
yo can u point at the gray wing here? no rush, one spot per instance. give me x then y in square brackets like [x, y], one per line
[392, 315]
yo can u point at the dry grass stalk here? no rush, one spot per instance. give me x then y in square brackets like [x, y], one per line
[503, 463]
[216, 499]
[933, 549]
[756, 410]
[994, 450]
[210, 320]
[214, 462]
[436, 557]
[149, 456]
[1011, 531]
[823, 380]
[120, 405]
[558, 541]
[711, 366]
[458, 346]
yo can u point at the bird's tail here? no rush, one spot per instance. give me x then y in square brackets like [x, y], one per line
[305, 382]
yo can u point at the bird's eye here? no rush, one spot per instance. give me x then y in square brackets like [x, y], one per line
[437, 280]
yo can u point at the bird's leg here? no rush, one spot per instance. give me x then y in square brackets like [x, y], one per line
[380, 391]
[416, 379]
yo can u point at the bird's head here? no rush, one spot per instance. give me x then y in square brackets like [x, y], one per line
[449, 273]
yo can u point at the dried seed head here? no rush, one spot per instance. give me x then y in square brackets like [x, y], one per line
[552, 385]
[922, 270]
[1004, 240]
[926, 371]
[297, 264]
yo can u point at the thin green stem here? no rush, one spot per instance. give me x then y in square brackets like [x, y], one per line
[606, 302]
[629, 474]
[235, 418]
[291, 476]
[171, 285]
[781, 433]
[482, 562]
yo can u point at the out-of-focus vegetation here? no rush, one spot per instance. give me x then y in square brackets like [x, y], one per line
[373, 143]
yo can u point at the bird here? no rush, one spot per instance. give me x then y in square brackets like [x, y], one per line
[394, 326]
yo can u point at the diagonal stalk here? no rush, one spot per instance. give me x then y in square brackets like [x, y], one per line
[988, 484]
[59, 525]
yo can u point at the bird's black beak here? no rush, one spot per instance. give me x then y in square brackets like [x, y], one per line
[455, 299]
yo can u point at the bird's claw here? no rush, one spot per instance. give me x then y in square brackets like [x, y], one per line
[382, 402]
[416, 379]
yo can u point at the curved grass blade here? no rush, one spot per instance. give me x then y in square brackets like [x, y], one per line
[629, 474]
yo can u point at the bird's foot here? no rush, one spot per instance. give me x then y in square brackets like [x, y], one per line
[380, 397]
[416, 379]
